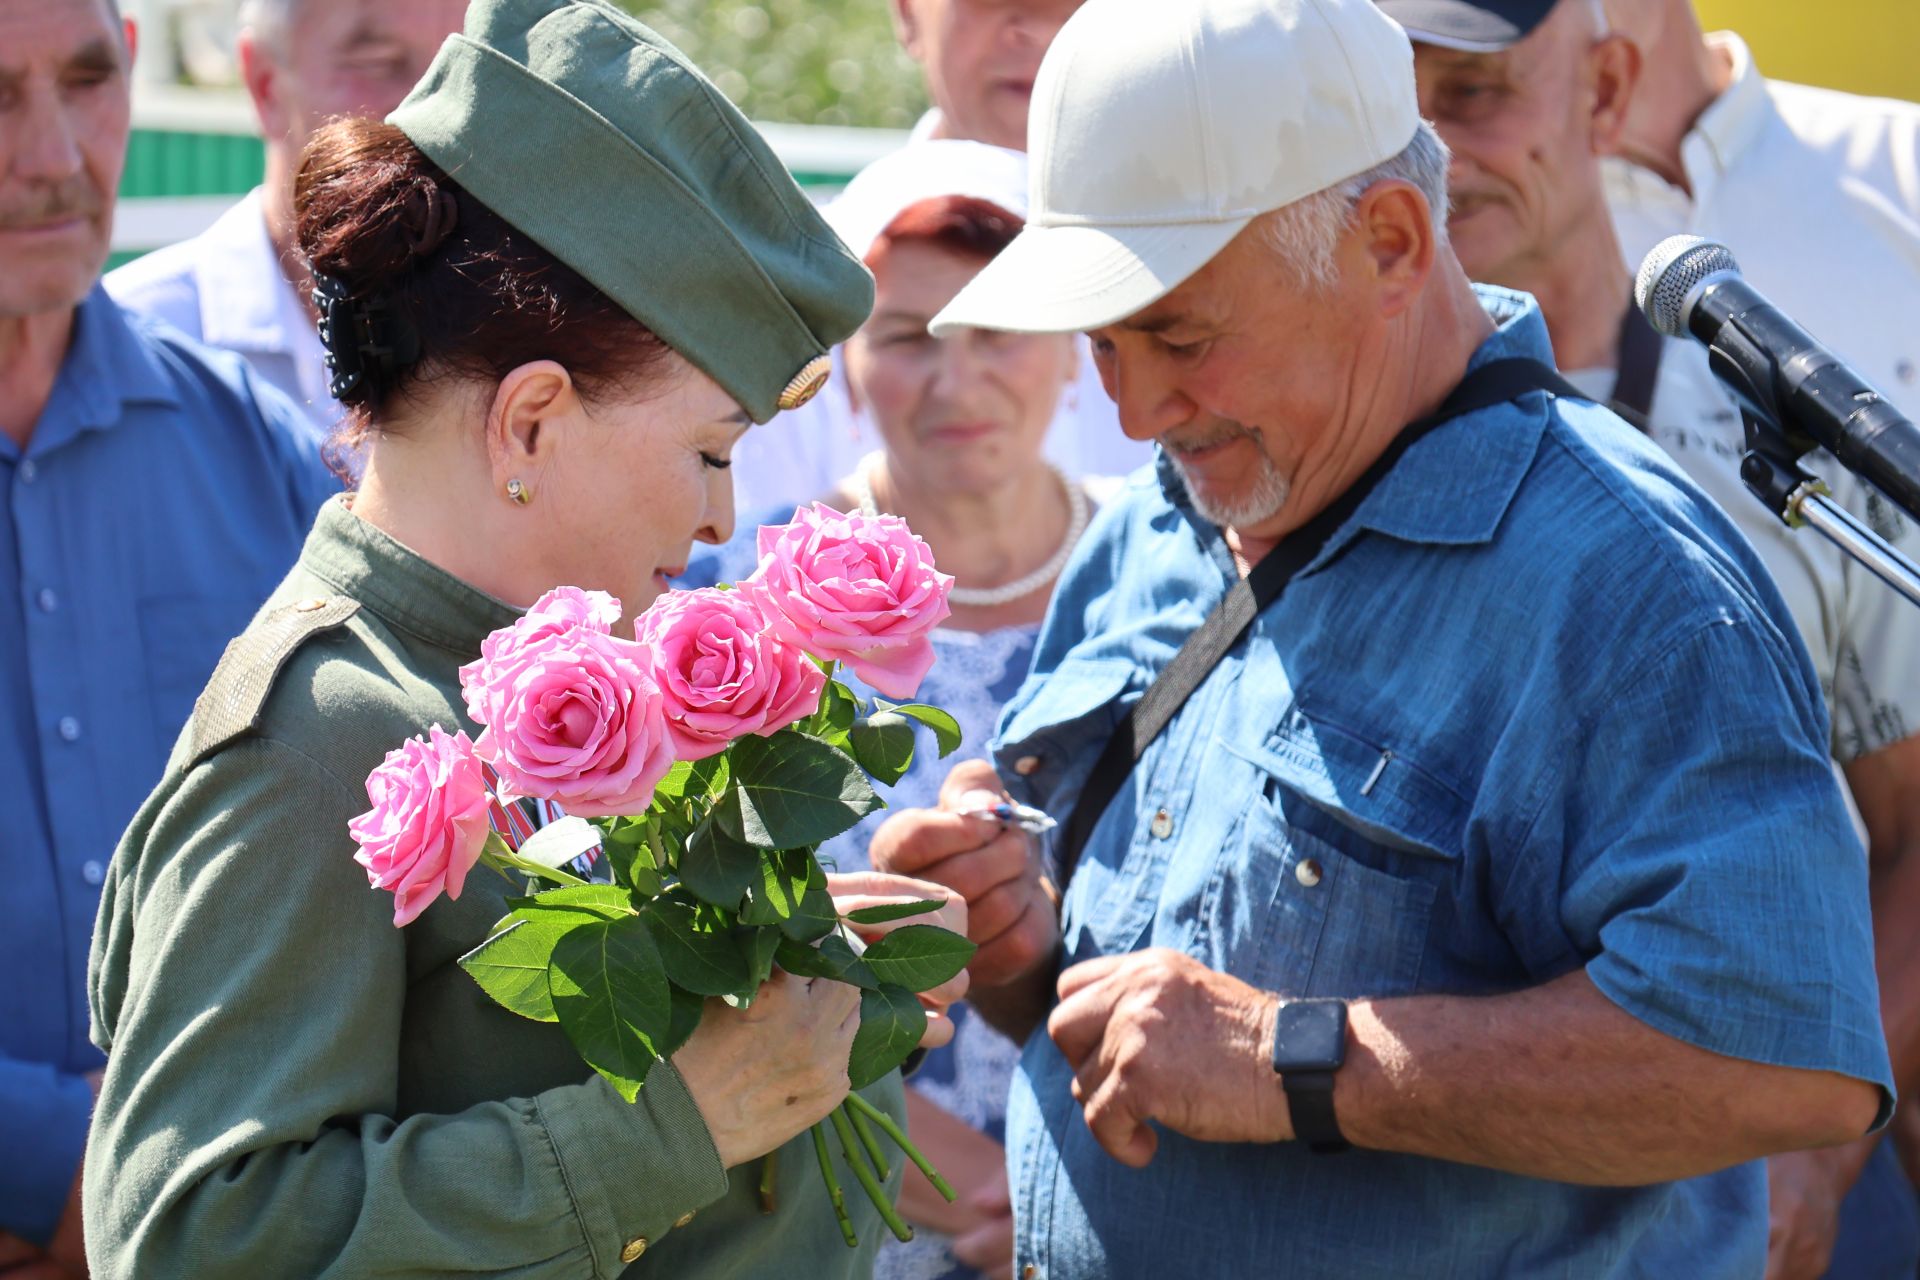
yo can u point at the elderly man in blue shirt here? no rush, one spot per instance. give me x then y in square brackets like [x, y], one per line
[1484, 904]
[151, 494]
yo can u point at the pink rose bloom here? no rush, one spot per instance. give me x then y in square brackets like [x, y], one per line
[573, 717]
[555, 613]
[428, 823]
[853, 588]
[723, 673]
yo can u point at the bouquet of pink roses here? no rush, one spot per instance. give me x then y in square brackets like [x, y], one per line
[698, 767]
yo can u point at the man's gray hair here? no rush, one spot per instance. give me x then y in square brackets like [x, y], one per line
[1305, 232]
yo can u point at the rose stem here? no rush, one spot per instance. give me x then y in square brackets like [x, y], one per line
[769, 1173]
[871, 1143]
[892, 1130]
[850, 1147]
[833, 1186]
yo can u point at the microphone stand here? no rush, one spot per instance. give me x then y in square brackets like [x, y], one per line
[1772, 470]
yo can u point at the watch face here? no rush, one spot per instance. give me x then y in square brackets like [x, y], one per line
[1310, 1035]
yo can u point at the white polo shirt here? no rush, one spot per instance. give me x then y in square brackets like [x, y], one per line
[1817, 194]
[225, 288]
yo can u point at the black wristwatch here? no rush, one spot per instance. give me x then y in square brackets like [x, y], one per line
[1309, 1044]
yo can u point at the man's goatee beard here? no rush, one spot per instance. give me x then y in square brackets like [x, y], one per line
[1260, 502]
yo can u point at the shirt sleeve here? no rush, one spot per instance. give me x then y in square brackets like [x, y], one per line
[253, 1009]
[1709, 875]
[43, 1129]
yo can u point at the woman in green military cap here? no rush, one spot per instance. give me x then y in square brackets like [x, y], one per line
[558, 285]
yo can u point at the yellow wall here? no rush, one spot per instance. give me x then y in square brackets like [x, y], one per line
[1863, 46]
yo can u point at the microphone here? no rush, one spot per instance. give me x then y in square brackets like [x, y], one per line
[1693, 288]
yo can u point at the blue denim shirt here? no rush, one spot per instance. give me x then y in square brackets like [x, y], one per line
[1536, 707]
[163, 493]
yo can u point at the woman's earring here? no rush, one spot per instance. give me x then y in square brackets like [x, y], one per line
[519, 492]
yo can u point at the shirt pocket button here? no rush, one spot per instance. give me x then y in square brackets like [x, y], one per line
[1162, 824]
[1307, 871]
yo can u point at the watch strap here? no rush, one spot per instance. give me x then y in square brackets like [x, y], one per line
[1310, 1102]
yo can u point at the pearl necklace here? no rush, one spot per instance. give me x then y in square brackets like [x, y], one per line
[987, 597]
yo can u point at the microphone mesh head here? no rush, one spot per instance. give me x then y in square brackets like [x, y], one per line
[1669, 274]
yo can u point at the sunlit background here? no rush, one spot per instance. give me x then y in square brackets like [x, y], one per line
[824, 77]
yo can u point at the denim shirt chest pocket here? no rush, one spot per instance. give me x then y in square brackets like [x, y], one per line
[1328, 887]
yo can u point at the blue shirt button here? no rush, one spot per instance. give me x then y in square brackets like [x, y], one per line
[93, 871]
[48, 600]
[29, 472]
[69, 729]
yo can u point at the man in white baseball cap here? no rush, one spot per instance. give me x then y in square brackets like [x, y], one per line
[1429, 765]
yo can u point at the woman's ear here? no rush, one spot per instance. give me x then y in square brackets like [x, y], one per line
[528, 406]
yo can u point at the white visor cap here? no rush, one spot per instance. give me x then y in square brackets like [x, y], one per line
[1161, 128]
[921, 171]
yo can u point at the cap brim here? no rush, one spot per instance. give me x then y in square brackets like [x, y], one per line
[1462, 25]
[1065, 279]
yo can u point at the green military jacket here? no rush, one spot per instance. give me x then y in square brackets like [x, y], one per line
[295, 1087]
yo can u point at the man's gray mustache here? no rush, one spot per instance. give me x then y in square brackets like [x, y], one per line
[56, 206]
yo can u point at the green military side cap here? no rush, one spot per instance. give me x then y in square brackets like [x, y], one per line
[597, 138]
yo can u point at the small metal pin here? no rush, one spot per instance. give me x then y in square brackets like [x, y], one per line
[1023, 816]
[1386, 758]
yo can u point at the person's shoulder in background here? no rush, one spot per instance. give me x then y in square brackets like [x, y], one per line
[221, 394]
[161, 285]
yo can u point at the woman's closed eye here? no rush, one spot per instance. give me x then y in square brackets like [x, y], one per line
[715, 461]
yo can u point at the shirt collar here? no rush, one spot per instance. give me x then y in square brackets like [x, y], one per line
[246, 303]
[399, 586]
[1440, 492]
[1732, 123]
[108, 366]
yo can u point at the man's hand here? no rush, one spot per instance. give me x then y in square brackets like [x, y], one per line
[987, 1246]
[1013, 913]
[1804, 1191]
[1156, 1035]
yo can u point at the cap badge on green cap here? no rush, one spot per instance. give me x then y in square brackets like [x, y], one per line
[806, 384]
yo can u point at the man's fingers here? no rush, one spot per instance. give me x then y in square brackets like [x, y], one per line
[969, 776]
[1083, 975]
[1121, 1134]
[912, 842]
[974, 872]
[1079, 1023]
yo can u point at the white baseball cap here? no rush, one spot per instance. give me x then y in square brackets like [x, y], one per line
[1161, 128]
[920, 171]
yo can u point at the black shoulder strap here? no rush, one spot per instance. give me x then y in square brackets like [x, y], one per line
[1640, 351]
[1493, 383]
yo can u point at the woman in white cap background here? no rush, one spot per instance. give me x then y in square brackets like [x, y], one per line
[962, 422]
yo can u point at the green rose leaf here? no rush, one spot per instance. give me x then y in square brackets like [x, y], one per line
[698, 780]
[759, 946]
[511, 966]
[883, 744]
[832, 958]
[718, 866]
[919, 956]
[895, 911]
[611, 993]
[813, 915]
[792, 790]
[838, 710]
[946, 730]
[703, 959]
[684, 1021]
[601, 901]
[891, 1024]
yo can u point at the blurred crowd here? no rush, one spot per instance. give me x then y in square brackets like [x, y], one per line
[167, 433]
